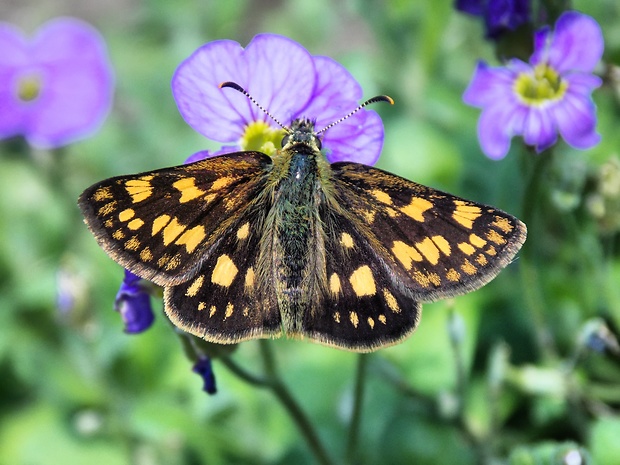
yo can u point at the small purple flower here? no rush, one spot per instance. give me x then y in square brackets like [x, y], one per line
[134, 304]
[205, 370]
[499, 15]
[289, 82]
[551, 94]
[55, 88]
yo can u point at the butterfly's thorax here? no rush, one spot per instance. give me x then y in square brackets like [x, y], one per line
[298, 195]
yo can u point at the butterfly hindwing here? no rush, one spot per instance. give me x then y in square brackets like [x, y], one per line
[363, 308]
[225, 301]
[436, 244]
[161, 224]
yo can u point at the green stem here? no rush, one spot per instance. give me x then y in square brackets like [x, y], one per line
[272, 381]
[356, 414]
[385, 370]
[530, 279]
[481, 448]
[280, 390]
[242, 373]
[459, 363]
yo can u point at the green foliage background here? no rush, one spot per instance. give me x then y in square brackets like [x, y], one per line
[75, 389]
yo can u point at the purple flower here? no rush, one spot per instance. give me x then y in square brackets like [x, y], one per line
[499, 15]
[289, 82]
[55, 88]
[205, 370]
[550, 94]
[134, 304]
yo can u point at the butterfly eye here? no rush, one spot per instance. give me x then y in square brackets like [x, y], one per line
[318, 143]
[285, 139]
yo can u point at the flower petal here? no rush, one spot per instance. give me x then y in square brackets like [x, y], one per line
[13, 59]
[542, 39]
[359, 139]
[576, 44]
[488, 85]
[215, 113]
[582, 83]
[539, 129]
[208, 154]
[336, 93]
[76, 87]
[497, 125]
[576, 121]
[283, 76]
[276, 71]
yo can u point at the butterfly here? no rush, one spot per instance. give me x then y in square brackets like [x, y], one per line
[251, 246]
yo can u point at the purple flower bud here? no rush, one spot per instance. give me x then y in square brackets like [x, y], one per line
[134, 304]
[499, 15]
[205, 370]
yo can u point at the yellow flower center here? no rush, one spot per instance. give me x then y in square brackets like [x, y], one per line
[544, 85]
[28, 87]
[262, 137]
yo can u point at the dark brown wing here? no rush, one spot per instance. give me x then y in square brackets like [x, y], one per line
[161, 225]
[391, 244]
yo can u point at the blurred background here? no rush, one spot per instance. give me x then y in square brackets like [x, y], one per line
[526, 368]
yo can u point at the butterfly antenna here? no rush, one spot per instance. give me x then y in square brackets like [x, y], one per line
[378, 98]
[238, 88]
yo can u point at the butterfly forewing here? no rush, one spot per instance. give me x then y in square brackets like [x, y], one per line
[161, 225]
[436, 244]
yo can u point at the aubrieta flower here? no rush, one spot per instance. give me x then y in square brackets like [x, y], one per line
[499, 15]
[550, 94]
[56, 87]
[287, 81]
[133, 302]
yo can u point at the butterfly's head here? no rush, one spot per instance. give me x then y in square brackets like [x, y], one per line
[302, 132]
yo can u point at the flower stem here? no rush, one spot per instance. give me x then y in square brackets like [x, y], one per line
[275, 383]
[356, 414]
[461, 371]
[456, 329]
[242, 373]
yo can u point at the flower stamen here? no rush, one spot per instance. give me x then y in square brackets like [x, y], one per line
[262, 137]
[28, 87]
[541, 86]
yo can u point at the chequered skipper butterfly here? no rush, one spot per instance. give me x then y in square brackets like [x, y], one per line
[250, 246]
